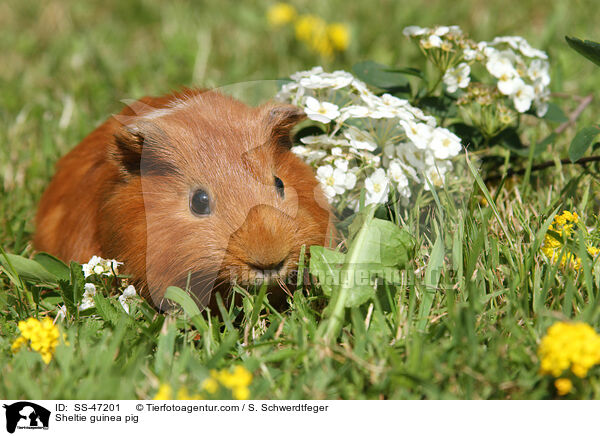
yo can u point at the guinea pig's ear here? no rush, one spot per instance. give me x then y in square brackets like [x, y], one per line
[127, 153]
[281, 119]
[141, 147]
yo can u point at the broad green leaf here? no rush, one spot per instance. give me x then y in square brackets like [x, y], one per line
[380, 76]
[53, 265]
[432, 277]
[29, 270]
[378, 246]
[555, 114]
[582, 141]
[470, 136]
[443, 107]
[324, 265]
[588, 49]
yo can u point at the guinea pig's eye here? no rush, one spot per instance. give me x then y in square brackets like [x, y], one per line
[279, 186]
[200, 202]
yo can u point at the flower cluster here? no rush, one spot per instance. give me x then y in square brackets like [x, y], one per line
[99, 266]
[41, 336]
[236, 382]
[574, 346]
[516, 70]
[561, 231]
[381, 143]
[316, 33]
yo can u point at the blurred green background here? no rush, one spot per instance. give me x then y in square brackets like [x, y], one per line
[67, 65]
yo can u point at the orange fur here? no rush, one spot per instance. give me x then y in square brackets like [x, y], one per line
[124, 193]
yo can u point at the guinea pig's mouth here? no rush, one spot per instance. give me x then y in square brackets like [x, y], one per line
[256, 274]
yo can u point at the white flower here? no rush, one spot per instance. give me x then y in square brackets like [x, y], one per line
[97, 265]
[360, 139]
[418, 133]
[127, 297]
[337, 151]
[88, 268]
[354, 111]
[87, 300]
[469, 54]
[523, 96]
[335, 80]
[389, 100]
[510, 86]
[539, 71]
[300, 74]
[542, 95]
[441, 30]
[377, 187]
[531, 52]
[432, 41]
[512, 41]
[396, 173]
[457, 77]
[435, 174]
[299, 150]
[334, 181]
[414, 31]
[315, 155]
[321, 111]
[444, 144]
[500, 65]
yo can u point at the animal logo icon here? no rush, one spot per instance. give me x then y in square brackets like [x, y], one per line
[26, 415]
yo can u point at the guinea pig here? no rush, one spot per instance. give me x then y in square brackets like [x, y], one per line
[193, 189]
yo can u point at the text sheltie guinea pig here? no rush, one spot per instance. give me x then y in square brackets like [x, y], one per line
[193, 189]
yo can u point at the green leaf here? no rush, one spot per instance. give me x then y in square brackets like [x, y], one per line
[378, 247]
[443, 107]
[165, 350]
[106, 310]
[324, 265]
[381, 76]
[28, 270]
[408, 71]
[510, 139]
[582, 141]
[188, 305]
[588, 49]
[432, 277]
[555, 114]
[470, 136]
[53, 265]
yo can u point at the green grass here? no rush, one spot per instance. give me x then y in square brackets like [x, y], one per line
[474, 299]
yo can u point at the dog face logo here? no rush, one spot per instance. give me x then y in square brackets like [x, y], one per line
[26, 415]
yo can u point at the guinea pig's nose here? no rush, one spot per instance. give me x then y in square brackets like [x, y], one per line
[264, 266]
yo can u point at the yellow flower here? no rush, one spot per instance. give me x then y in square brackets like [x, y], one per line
[164, 392]
[182, 394]
[241, 393]
[210, 385]
[339, 35]
[574, 346]
[42, 336]
[552, 247]
[563, 386]
[307, 25]
[237, 381]
[280, 14]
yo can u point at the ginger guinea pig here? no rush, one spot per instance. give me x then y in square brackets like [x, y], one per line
[193, 189]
